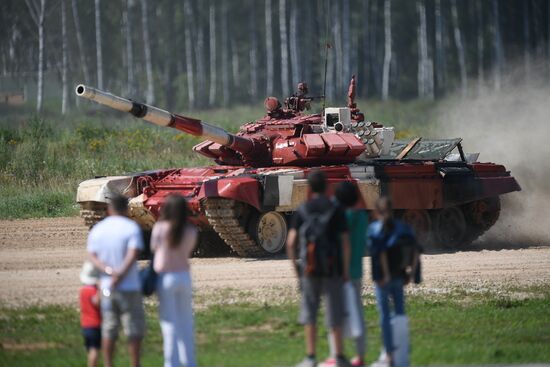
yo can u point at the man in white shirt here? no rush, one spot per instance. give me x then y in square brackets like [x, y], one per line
[114, 245]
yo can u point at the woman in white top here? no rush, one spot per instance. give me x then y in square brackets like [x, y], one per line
[173, 240]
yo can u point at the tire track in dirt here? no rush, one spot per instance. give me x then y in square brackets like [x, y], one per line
[40, 261]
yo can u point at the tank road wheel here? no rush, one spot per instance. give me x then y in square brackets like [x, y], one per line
[449, 227]
[230, 219]
[421, 222]
[269, 230]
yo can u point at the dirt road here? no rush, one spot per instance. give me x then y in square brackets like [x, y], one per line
[41, 258]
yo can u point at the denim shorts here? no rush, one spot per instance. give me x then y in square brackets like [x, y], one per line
[332, 290]
[92, 337]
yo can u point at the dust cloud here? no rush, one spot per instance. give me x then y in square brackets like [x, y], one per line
[510, 127]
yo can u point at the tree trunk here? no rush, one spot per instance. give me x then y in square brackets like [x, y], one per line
[201, 72]
[99, 57]
[497, 45]
[170, 62]
[387, 50]
[440, 60]
[253, 53]
[294, 50]
[337, 48]
[526, 40]
[225, 56]
[425, 65]
[346, 42]
[189, 54]
[41, 35]
[285, 88]
[150, 92]
[65, 61]
[213, 49]
[480, 47]
[235, 63]
[459, 49]
[80, 42]
[364, 52]
[126, 19]
[269, 48]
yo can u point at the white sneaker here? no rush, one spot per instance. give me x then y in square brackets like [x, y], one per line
[307, 362]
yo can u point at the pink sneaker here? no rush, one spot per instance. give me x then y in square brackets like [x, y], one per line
[357, 362]
[329, 362]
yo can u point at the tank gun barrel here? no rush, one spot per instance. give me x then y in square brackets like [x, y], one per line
[164, 118]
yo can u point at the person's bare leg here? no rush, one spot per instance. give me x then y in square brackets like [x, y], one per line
[108, 346]
[311, 334]
[93, 355]
[337, 337]
[134, 346]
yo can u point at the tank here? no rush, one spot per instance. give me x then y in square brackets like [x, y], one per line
[243, 202]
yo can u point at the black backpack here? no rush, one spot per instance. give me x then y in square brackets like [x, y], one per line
[318, 256]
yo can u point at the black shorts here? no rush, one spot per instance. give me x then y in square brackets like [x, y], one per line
[92, 337]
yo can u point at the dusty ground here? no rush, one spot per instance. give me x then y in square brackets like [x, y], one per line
[40, 260]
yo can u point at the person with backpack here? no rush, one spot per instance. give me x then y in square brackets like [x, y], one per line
[318, 231]
[347, 195]
[395, 262]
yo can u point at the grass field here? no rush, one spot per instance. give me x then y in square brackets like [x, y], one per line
[461, 328]
[42, 159]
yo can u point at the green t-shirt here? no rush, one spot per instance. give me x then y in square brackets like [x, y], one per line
[357, 221]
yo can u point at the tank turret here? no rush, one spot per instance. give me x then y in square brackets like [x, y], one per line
[284, 137]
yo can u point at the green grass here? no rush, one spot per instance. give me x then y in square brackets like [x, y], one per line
[42, 159]
[457, 329]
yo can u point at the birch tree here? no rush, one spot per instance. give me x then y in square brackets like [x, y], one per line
[213, 48]
[80, 43]
[338, 51]
[269, 48]
[65, 61]
[37, 12]
[459, 48]
[253, 53]
[526, 40]
[127, 22]
[387, 50]
[294, 49]
[285, 89]
[189, 54]
[440, 60]
[201, 72]
[365, 49]
[98, 48]
[425, 69]
[497, 46]
[235, 63]
[480, 47]
[225, 56]
[150, 91]
[346, 45]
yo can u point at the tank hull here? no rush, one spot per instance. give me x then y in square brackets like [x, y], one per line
[245, 210]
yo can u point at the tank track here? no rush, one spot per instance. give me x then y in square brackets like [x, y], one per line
[211, 245]
[229, 219]
[93, 213]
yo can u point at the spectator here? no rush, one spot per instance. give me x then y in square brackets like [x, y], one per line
[173, 240]
[319, 228]
[114, 245]
[347, 195]
[388, 238]
[90, 317]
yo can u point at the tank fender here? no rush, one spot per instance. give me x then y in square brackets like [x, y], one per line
[244, 189]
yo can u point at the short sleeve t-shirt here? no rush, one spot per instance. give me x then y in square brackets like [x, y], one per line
[357, 227]
[110, 240]
[90, 316]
